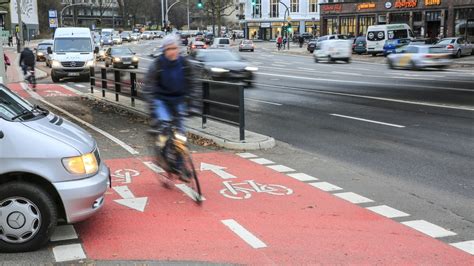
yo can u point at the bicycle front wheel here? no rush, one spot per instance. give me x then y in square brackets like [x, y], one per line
[188, 167]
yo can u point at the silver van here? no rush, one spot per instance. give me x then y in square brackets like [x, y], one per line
[50, 170]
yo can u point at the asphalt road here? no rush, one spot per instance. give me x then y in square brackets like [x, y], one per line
[402, 137]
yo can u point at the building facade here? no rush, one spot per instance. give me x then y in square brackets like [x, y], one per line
[264, 19]
[427, 18]
[93, 13]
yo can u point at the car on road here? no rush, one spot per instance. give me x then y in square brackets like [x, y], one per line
[311, 45]
[456, 46]
[117, 39]
[360, 45]
[333, 50]
[223, 65]
[41, 51]
[51, 170]
[221, 43]
[246, 45]
[417, 57]
[208, 38]
[146, 35]
[107, 40]
[120, 57]
[391, 46]
[378, 34]
[196, 44]
[126, 36]
[135, 37]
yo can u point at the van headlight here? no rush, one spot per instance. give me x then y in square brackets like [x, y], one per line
[90, 63]
[40, 54]
[135, 59]
[249, 68]
[56, 64]
[117, 59]
[219, 70]
[80, 165]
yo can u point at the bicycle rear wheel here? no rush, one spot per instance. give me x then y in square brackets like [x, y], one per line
[188, 167]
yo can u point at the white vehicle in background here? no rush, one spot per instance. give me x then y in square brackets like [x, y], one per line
[378, 34]
[333, 50]
[221, 43]
[146, 35]
[416, 57]
[72, 54]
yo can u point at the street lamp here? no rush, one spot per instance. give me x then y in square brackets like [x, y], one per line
[68, 6]
[168, 10]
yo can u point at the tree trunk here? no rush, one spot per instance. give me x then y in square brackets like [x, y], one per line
[219, 18]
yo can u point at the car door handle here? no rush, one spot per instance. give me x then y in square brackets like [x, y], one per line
[1, 135]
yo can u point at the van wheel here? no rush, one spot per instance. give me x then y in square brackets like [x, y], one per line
[29, 217]
[54, 78]
[374, 54]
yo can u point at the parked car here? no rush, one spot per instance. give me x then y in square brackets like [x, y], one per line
[333, 50]
[391, 46]
[246, 45]
[418, 56]
[312, 45]
[455, 46]
[50, 170]
[197, 43]
[221, 43]
[126, 36]
[41, 50]
[360, 45]
[120, 57]
[223, 65]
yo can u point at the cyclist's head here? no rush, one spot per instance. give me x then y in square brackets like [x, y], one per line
[170, 47]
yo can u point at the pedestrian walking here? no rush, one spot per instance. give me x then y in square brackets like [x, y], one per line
[6, 60]
[10, 41]
[284, 42]
[279, 42]
[234, 37]
[301, 40]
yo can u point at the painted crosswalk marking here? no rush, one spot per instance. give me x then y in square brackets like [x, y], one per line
[243, 233]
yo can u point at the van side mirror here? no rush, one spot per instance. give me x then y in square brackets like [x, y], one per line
[49, 50]
[96, 50]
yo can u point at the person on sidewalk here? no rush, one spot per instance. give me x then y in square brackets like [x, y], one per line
[6, 61]
[301, 40]
[27, 62]
[279, 42]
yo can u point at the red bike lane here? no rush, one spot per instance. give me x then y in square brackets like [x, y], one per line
[292, 223]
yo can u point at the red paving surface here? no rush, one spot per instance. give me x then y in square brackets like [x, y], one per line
[307, 227]
[44, 90]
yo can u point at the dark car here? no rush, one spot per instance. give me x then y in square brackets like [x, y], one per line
[360, 45]
[120, 57]
[41, 51]
[223, 65]
[391, 46]
[184, 39]
[209, 38]
[311, 45]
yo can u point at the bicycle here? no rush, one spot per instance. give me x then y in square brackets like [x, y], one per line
[30, 77]
[175, 159]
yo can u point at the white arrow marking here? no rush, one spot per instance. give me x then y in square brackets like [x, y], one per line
[155, 168]
[129, 199]
[189, 192]
[218, 170]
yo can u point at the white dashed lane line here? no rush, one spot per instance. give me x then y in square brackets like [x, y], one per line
[247, 155]
[325, 186]
[262, 161]
[243, 233]
[353, 197]
[68, 253]
[303, 177]
[369, 121]
[467, 246]
[429, 228]
[387, 211]
[281, 168]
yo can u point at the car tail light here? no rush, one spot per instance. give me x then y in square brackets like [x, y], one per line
[193, 46]
[241, 45]
[205, 46]
[450, 46]
[428, 56]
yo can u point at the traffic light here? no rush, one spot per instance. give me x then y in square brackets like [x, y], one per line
[289, 28]
[200, 4]
[254, 2]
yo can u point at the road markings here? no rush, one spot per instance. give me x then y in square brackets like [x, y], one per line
[262, 161]
[260, 101]
[189, 192]
[129, 200]
[69, 253]
[64, 232]
[370, 121]
[246, 155]
[353, 197]
[106, 134]
[305, 68]
[346, 73]
[216, 169]
[387, 211]
[281, 168]
[80, 85]
[325, 186]
[243, 233]
[303, 177]
[467, 246]
[155, 168]
[429, 228]
[147, 59]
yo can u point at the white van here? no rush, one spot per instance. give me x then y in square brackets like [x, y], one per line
[378, 34]
[72, 53]
[333, 50]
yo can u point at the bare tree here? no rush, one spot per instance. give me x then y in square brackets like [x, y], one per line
[103, 6]
[43, 7]
[216, 9]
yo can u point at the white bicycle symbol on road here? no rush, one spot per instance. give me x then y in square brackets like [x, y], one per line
[244, 190]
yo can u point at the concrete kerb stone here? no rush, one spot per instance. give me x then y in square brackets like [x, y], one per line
[254, 141]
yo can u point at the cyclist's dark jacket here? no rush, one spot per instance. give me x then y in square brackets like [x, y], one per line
[172, 82]
[27, 58]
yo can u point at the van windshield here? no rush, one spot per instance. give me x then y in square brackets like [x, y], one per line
[12, 106]
[63, 45]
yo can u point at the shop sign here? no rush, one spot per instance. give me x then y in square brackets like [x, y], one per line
[265, 25]
[388, 5]
[365, 6]
[406, 3]
[329, 8]
[432, 2]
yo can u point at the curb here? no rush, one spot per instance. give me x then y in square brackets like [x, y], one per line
[40, 74]
[266, 144]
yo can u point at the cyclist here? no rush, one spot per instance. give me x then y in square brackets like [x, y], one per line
[169, 84]
[27, 61]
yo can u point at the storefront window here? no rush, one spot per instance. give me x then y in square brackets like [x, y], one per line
[295, 6]
[364, 23]
[464, 23]
[312, 27]
[348, 26]
[400, 18]
[274, 8]
[313, 6]
[257, 9]
[417, 16]
[331, 24]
